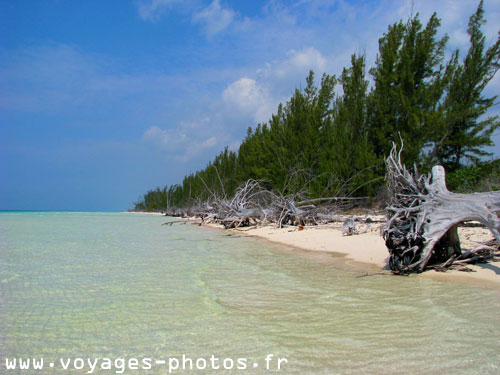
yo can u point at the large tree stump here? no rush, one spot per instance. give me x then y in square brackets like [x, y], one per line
[424, 215]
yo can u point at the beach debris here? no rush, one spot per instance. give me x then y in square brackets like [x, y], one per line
[253, 205]
[348, 229]
[421, 232]
[170, 223]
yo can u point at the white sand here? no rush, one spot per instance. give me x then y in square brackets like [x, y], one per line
[365, 248]
[144, 213]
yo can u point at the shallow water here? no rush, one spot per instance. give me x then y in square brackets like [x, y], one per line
[106, 285]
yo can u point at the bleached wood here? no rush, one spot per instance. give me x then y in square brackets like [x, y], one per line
[425, 216]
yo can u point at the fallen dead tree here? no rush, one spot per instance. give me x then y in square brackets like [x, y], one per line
[246, 207]
[422, 229]
[252, 204]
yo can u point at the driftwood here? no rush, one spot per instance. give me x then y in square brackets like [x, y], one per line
[170, 223]
[254, 205]
[349, 228]
[422, 230]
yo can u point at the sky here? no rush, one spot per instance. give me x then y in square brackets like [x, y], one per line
[102, 100]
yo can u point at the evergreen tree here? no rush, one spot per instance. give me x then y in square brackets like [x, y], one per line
[408, 86]
[465, 131]
[348, 159]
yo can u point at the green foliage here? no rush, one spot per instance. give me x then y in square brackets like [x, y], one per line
[475, 178]
[465, 131]
[321, 143]
[154, 200]
[347, 160]
[408, 86]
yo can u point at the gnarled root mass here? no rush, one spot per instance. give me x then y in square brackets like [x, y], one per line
[422, 229]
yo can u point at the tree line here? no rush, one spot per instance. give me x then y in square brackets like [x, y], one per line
[331, 138]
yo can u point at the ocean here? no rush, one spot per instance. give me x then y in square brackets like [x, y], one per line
[122, 293]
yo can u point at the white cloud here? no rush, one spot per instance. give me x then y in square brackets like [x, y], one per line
[244, 93]
[257, 98]
[158, 136]
[150, 10]
[210, 142]
[308, 58]
[249, 98]
[280, 13]
[214, 18]
[298, 63]
[187, 140]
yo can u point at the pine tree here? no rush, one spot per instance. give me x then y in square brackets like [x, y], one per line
[465, 131]
[348, 159]
[408, 86]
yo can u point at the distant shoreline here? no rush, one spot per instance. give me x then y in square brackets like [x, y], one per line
[144, 213]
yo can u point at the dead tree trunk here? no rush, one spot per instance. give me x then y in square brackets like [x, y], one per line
[422, 229]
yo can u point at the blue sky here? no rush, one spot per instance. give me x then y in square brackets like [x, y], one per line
[102, 100]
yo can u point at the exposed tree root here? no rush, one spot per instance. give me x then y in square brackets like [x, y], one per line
[422, 230]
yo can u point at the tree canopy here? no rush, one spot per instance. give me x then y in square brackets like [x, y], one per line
[332, 138]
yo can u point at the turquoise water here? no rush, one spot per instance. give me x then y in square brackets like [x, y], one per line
[117, 285]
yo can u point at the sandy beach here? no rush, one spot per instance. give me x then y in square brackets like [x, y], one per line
[368, 251]
[144, 213]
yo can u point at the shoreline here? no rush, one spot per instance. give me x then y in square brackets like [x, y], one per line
[367, 252]
[144, 213]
